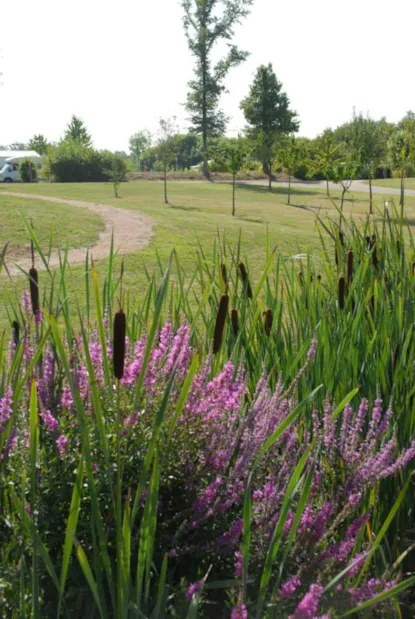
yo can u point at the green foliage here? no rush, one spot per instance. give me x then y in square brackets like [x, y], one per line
[39, 144]
[27, 171]
[206, 23]
[139, 143]
[268, 114]
[71, 161]
[77, 132]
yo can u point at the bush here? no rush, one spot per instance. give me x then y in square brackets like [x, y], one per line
[71, 162]
[27, 170]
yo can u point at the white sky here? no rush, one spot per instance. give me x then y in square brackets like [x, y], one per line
[121, 64]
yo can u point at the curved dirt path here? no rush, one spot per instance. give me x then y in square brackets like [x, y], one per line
[132, 231]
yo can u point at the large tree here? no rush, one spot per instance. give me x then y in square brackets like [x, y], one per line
[269, 116]
[206, 23]
[139, 143]
[401, 150]
[76, 131]
[39, 143]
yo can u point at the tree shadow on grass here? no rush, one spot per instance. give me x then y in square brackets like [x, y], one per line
[184, 208]
[278, 191]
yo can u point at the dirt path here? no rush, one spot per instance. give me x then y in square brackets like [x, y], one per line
[132, 231]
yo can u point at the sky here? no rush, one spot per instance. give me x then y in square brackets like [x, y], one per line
[121, 65]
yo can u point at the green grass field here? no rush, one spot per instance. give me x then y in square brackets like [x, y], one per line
[196, 213]
[74, 225]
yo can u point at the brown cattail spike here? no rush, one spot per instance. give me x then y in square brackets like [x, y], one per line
[235, 322]
[34, 290]
[245, 280]
[224, 274]
[413, 268]
[341, 237]
[319, 278]
[349, 266]
[336, 257]
[342, 292]
[119, 344]
[15, 332]
[268, 322]
[220, 323]
[301, 277]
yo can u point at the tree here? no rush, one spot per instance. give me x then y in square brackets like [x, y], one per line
[27, 171]
[269, 117]
[117, 172]
[207, 22]
[290, 155]
[39, 144]
[167, 129]
[343, 172]
[77, 132]
[401, 150]
[326, 153]
[17, 146]
[139, 143]
[368, 146]
[232, 156]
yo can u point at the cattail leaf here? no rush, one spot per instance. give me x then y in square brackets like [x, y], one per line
[235, 323]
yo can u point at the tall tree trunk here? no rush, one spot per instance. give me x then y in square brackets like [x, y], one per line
[233, 195]
[327, 187]
[402, 198]
[370, 195]
[205, 167]
[289, 188]
[342, 202]
[165, 183]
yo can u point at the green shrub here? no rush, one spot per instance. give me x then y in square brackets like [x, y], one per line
[27, 171]
[72, 162]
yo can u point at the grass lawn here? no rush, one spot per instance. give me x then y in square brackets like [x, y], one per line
[394, 182]
[76, 226]
[198, 211]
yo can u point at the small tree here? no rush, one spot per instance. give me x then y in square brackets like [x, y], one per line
[76, 131]
[167, 129]
[290, 155]
[233, 157]
[269, 116]
[39, 144]
[139, 143]
[326, 153]
[117, 173]
[343, 172]
[27, 170]
[401, 151]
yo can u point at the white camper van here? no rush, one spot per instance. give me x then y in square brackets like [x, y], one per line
[9, 172]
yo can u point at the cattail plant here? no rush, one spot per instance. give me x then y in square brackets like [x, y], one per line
[235, 322]
[220, 323]
[268, 322]
[342, 292]
[34, 290]
[245, 280]
[224, 274]
[375, 260]
[349, 266]
[119, 344]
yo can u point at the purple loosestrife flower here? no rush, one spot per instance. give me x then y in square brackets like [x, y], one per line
[288, 588]
[66, 398]
[240, 612]
[49, 420]
[6, 407]
[26, 302]
[38, 317]
[95, 352]
[371, 588]
[132, 370]
[62, 444]
[45, 384]
[238, 564]
[180, 352]
[193, 589]
[308, 607]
